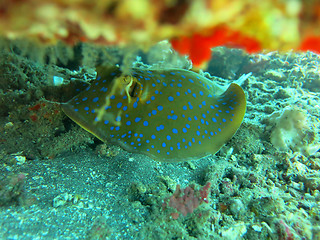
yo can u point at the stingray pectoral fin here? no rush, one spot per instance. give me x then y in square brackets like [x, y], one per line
[233, 106]
[85, 123]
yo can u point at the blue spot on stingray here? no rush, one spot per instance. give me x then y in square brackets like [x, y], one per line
[136, 134]
[124, 97]
[184, 130]
[160, 108]
[223, 120]
[137, 119]
[125, 108]
[174, 130]
[162, 75]
[219, 129]
[135, 104]
[117, 128]
[189, 118]
[190, 80]
[156, 92]
[194, 95]
[152, 97]
[106, 122]
[168, 137]
[193, 140]
[153, 136]
[145, 123]
[179, 85]
[113, 97]
[92, 111]
[84, 99]
[183, 76]
[86, 108]
[198, 133]
[174, 117]
[164, 84]
[95, 99]
[217, 114]
[154, 112]
[204, 103]
[128, 123]
[214, 120]
[170, 98]
[104, 89]
[203, 115]
[153, 85]
[201, 93]
[177, 93]
[119, 105]
[187, 125]
[158, 151]
[172, 73]
[178, 144]
[118, 118]
[195, 118]
[202, 121]
[184, 108]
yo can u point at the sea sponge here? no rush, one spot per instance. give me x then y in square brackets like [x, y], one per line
[292, 130]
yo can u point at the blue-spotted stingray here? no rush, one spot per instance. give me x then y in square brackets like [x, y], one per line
[170, 115]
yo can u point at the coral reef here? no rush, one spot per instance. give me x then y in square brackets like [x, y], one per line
[247, 24]
[264, 181]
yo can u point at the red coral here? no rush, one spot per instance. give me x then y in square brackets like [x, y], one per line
[187, 200]
[198, 45]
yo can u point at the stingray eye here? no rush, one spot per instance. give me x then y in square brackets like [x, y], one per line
[126, 80]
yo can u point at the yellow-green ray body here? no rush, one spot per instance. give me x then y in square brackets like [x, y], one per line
[170, 115]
